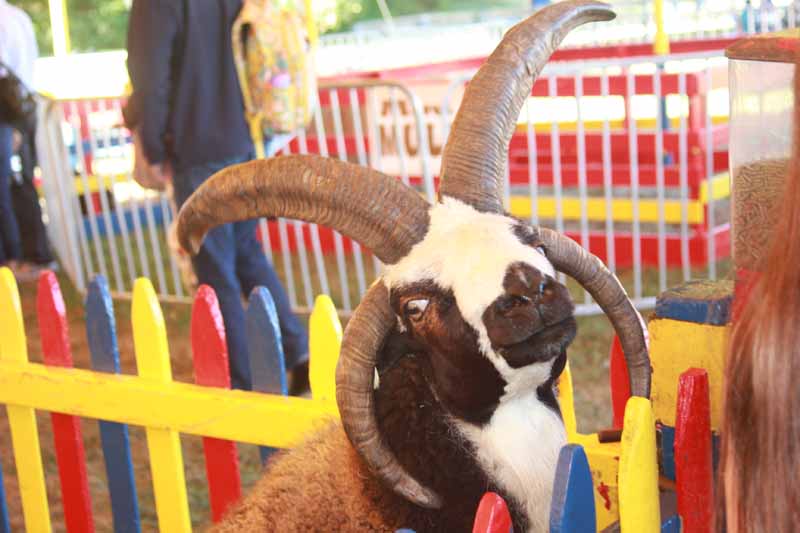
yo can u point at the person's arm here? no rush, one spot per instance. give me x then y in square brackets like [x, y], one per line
[152, 32]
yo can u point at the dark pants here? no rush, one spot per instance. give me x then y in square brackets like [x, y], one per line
[232, 262]
[35, 246]
[9, 231]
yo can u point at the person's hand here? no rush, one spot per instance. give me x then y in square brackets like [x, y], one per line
[153, 175]
[16, 142]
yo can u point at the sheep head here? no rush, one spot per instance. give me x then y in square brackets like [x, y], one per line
[474, 288]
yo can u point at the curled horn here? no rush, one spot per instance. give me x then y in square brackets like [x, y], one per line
[476, 152]
[374, 209]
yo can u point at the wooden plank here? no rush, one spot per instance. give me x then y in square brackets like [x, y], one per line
[70, 454]
[572, 509]
[638, 470]
[670, 357]
[166, 461]
[700, 302]
[620, 382]
[667, 451]
[673, 525]
[566, 400]
[325, 342]
[21, 418]
[492, 515]
[5, 522]
[694, 474]
[604, 461]
[267, 362]
[210, 353]
[102, 337]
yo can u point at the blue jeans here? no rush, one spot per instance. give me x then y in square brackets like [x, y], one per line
[232, 262]
[9, 231]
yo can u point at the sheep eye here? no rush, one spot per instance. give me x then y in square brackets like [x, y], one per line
[415, 308]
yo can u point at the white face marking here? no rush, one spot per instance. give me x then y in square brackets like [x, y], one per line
[468, 252]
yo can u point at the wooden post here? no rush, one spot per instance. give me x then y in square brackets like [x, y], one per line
[572, 509]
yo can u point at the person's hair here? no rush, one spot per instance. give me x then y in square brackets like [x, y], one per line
[761, 413]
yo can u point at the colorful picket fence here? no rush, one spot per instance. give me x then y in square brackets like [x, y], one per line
[151, 399]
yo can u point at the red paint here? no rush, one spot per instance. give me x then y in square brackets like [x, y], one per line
[210, 353]
[492, 515]
[70, 454]
[693, 462]
[602, 489]
[620, 383]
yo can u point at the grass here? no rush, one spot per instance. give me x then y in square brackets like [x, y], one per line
[588, 360]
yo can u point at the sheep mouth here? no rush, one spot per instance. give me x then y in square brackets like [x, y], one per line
[543, 345]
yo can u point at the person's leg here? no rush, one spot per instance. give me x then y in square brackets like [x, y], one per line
[35, 246]
[9, 231]
[254, 270]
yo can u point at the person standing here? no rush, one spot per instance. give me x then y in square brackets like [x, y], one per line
[187, 109]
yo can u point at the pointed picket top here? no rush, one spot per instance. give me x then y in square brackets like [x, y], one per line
[101, 333]
[13, 346]
[149, 333]
[267, 363]
[638, 470]
[566, 401]
[325, 342]
[492, 515]
[572, 509]
[52, 313]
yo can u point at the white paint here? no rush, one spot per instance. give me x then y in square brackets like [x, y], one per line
[519, 449]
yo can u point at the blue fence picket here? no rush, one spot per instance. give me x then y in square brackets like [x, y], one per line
[267, 363]
[5, 523]
[102, 336]
[673, 525]
[572, 509]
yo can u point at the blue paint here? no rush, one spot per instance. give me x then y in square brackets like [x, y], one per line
[700, 302]
[128, 214]
[5, 523]
[673, 525]
[267, 363]
[572, 509]
[102, 336]
[667, 454]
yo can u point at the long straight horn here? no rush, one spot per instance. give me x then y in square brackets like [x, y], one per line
[474, 159]
[372, 208]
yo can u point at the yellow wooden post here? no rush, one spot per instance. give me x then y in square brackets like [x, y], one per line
[639, 510]
[661, 44]
[22, 420]
[152, 361]
[311, 24]
[325, 342]
[59, 24]
[566, 400]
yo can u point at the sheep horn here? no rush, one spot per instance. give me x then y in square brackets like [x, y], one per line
[474, 159]
[571, 259]
[376, 210]
[363, 338]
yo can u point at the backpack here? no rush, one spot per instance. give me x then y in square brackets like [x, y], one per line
[272, 53]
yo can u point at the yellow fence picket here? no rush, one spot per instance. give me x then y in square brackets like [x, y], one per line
[152, 361]
[325, 342]
[566, 401]
[639, 510]
[22, 420]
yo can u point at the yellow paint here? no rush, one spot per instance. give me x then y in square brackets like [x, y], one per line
[325, 342]
[720, 185]
[604, 464]
[676, 346]
[152, 360]
[93, 183]
[639, 510]
[21, 418]
[59, 24]
[661, 44]
[311, 24]
[182, 407]
[570, 126]
[566, 400]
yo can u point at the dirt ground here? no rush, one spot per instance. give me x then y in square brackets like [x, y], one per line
[588, 359]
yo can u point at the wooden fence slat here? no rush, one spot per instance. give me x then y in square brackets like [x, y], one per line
[672, 525]
[70, 454]
[639, 510]
[492, 515]
[267, 363]
[325, 342]
[5, 522]
[210, 353]
[22, 420]
[566, 401]
[101, 333]
[693, 462]
[572, 508]
[620, 385]
[152, 360]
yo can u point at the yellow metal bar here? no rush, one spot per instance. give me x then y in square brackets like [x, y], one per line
[166, 461]
[661, 44]
[21, 418]
[59, 24]
[639, 510]
[566, 400]
[325, 341]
